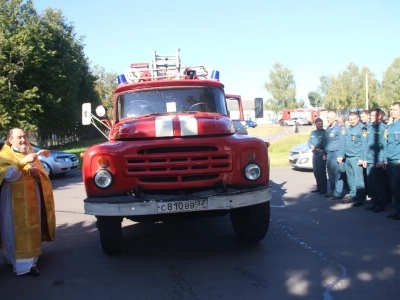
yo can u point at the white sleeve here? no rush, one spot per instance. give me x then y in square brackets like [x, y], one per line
[12, 175]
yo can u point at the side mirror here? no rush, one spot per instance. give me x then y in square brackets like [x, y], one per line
[86, 114]
[259, 107]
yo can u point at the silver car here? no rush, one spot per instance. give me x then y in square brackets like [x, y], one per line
[300, 156]
[299, 121]
[58, 163]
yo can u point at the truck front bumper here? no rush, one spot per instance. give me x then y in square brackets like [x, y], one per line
[163, 204]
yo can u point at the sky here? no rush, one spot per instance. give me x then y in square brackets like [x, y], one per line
[241, 39]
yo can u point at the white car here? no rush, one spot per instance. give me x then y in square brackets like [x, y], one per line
[300, 156]
[299, 121]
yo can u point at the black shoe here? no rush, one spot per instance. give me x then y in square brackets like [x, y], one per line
[378, 209]
[336, 198]
[357, 203]
[397, 217]
[372, 207]
[322, 192]
[328, 195]
[315, 191]
[34, 271]
[348, 199]
[392, 215]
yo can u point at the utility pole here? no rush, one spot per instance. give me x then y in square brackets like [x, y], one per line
[366, 90]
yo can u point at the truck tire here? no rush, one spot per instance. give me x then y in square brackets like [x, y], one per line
[110, 229]
[251, 223]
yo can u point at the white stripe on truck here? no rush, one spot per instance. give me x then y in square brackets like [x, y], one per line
[188, 125]
[163, 126]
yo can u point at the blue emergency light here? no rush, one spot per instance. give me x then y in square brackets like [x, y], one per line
[215, 75]
[121, 79]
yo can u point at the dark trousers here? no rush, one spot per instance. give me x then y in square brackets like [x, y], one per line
[319, 169]
[377, 184]
[355, 179]
[394, 181]
[335, 181]
[366, 182]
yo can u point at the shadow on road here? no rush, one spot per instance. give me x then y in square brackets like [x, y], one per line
[72, 177]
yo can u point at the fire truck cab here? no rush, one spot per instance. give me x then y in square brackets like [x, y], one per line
[173, 152]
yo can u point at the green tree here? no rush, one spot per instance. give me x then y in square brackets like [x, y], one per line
[374, 100]
[61, 71]
[44, 74]
[390, 90]
[315, 99]
[322, 90]
[18, 99]
[348, 89]
[105, 85]
[282, 87]
[335, 98]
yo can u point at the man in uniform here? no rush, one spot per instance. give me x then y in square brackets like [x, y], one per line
[341, 120]
[374, 156]
[384, 118]
[388, 194]
[352, 151]
[366, 118]
[331, 142]
[319, 165]
[393, 157]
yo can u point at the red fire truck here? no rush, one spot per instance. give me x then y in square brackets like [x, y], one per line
[310, 114]
[172, 152]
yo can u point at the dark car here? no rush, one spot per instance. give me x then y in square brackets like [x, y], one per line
[58, 163]
[251, 123]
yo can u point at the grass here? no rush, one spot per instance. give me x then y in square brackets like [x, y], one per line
[278, 150]
[265, 129]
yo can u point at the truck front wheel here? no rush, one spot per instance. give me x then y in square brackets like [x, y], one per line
[110, 234]
[251, 223]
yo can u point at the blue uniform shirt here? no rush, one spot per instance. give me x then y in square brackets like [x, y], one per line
[333, 137]
[315, 138]
[353, 145]
[367, 124]
[393, 141]
[375, 143]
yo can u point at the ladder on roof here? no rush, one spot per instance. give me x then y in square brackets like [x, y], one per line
[166, 66]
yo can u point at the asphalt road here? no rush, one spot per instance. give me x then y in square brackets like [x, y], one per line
[315, 249]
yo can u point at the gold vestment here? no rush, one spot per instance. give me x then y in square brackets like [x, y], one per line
[31, 226]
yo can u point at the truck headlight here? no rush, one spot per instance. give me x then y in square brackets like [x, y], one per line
[103, 179]
[252, 171]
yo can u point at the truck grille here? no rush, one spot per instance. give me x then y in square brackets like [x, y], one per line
[178, 164]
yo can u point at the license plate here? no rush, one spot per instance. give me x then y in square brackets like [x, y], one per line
[74, 164]
[181, 206]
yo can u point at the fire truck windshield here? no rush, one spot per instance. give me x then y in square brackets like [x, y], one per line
[171, 100]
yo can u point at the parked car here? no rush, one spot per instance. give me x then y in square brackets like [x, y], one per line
[58, 163]
[251, 123]
[299, 121]
[300, 156]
